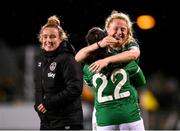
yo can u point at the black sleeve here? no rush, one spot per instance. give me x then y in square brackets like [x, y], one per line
[73, 78]
[38, 89]
[38, 96]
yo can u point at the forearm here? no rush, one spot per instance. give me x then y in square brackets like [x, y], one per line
[84, 52]
[38, 98]
[125, 56]
[38, 95]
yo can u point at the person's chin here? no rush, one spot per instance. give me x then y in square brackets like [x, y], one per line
[49, 49]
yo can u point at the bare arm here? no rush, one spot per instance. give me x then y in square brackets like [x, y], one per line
[125, 56]
[85, 52]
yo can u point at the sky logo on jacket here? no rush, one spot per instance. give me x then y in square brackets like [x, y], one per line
[50, 74]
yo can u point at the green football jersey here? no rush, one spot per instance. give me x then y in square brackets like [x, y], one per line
[116, 100]
[137, 77]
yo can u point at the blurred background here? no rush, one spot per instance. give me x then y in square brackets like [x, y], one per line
[156, 27]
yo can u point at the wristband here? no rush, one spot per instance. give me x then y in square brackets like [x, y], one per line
[98, 45]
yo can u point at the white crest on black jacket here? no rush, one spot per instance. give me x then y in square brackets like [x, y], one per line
[52, 66]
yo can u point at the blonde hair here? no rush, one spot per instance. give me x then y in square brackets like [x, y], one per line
[125, 17]
[53, 21]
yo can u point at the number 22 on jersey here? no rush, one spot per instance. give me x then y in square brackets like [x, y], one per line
[116, 93]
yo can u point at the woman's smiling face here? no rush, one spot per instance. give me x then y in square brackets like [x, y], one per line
[50, 39]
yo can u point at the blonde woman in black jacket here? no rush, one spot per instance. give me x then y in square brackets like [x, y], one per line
[58, 81]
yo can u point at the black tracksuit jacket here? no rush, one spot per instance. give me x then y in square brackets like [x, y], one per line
[58, 85]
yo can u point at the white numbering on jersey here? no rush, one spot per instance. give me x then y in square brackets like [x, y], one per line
[117, 94]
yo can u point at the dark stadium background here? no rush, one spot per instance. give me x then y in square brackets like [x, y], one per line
[20, 24]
